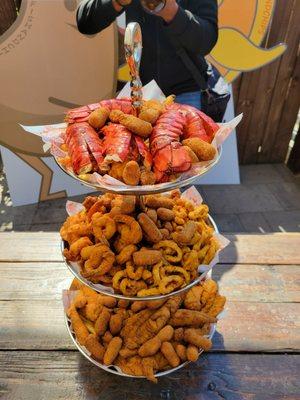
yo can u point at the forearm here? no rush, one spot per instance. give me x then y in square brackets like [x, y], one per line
[95, 15]
[196, 31]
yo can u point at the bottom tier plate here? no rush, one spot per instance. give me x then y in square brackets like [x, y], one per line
[117, 371]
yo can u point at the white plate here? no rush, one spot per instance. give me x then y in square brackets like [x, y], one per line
[147, 189]
[117, 371]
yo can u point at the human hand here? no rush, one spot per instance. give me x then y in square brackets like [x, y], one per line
[169, 11]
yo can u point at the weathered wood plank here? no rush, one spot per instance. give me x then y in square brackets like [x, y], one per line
[247, 283]
[275, 248]
[8, 14]
[259, 283]
[268, 327]
[275, 142]
[67, 375]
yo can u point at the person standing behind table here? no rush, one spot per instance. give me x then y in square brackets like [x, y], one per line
[190, 24]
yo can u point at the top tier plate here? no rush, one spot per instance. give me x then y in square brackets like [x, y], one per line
[108, 184]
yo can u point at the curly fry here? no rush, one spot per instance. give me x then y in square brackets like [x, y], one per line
[130, 287]
[117, 279]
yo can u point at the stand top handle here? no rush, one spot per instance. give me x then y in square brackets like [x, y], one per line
[133, 53]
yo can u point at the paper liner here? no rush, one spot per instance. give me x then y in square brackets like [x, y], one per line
[190, 194]
[68, 296]
[52, 136]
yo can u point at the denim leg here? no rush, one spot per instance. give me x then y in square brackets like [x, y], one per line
[191, 98]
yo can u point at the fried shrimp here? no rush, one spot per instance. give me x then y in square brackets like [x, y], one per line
[125, 254]
[103, 226]
[73, 254]
[100, 261]
[129, 229]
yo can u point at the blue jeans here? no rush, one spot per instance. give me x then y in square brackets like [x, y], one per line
[190, 98]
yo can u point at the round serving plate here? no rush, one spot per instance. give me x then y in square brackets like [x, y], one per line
[109, 291]
[147, 189]
[114, 370]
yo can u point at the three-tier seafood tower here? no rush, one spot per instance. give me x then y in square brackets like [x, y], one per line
[142, 303]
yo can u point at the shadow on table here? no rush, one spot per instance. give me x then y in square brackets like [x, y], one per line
[206, 379]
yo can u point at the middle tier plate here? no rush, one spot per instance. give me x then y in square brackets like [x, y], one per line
[75, 270]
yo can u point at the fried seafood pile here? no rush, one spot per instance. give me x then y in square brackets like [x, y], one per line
[145, 337]
[146, 246]
[152, 146]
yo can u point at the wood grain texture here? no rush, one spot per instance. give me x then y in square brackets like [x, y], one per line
[265, 327]
[258, 283]
[8, 14]
[238, 282]
[275, 248]
[269, 97]
[67, 375]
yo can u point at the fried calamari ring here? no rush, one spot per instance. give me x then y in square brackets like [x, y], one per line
[130, 287]
[125, 254]
[132, 273]
[170, 283]
[156, 273]
[129, 229]
[179, 270]
[103, 226]
[170, 244]
[191, 260]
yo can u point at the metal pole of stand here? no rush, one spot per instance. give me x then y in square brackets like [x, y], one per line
[133, 53]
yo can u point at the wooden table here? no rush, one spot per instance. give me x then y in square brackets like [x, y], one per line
[256, 348]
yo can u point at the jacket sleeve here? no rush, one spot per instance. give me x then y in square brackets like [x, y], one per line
[195, 28]
[95, 15]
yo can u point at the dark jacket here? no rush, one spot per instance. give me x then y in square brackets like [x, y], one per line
[195, 27]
